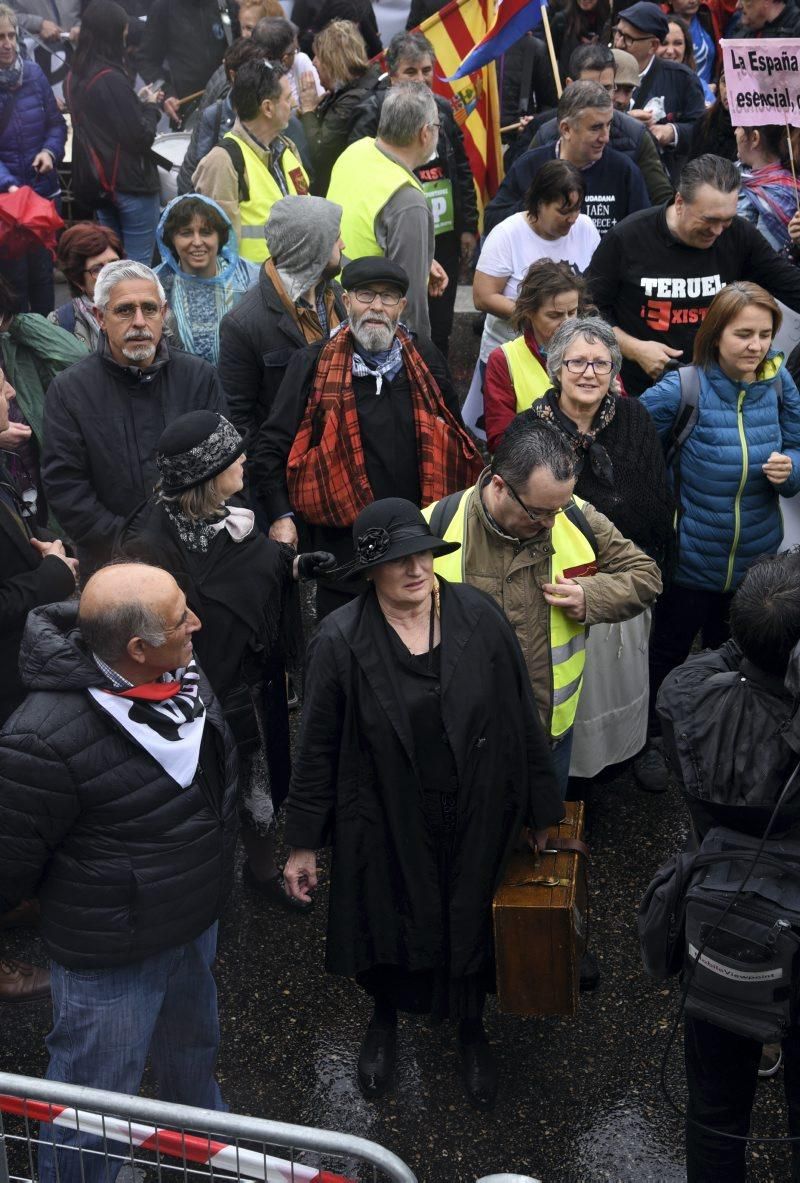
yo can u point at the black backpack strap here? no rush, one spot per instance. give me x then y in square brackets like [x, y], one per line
[581, 522]
[688, 410]
[443, 513]
[237, 160]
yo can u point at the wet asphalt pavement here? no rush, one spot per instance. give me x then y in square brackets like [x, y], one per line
[579, 1099]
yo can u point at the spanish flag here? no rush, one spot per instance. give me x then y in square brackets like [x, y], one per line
[453, 32]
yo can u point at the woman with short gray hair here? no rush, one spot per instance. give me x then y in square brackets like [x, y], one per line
[621, 471]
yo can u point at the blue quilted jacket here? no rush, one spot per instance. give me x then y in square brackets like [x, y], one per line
[35, 123]
[729, 511]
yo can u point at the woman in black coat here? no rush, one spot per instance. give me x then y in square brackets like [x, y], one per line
[114, 170]
[237, 581]
[421, 757]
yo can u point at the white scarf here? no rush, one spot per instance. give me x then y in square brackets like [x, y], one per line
[170, 729]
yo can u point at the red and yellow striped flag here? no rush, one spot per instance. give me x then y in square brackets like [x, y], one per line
[453, 32]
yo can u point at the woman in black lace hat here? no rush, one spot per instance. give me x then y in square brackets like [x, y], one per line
[238, 583]
[421, 756]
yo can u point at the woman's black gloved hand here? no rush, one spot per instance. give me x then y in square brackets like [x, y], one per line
[313, 563]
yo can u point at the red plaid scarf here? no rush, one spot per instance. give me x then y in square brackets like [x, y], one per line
[326, 473]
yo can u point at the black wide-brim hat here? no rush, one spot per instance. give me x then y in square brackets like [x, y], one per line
[195, 448]
[393, 529]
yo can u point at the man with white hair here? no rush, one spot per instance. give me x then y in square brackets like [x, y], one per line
[104, 415]
[384, 207]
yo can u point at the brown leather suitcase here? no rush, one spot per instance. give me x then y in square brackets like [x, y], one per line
[540, 923]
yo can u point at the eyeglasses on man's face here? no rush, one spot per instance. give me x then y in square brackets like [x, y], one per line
[533, 511]
[388, 299]
[626, 39]
[147, 308]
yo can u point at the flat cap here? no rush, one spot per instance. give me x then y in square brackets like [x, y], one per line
[627, 71]
[647, 17]
[374, 269]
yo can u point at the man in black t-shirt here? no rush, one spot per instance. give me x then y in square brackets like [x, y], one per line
[655, 274]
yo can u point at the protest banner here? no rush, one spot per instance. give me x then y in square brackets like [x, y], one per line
[763, 81]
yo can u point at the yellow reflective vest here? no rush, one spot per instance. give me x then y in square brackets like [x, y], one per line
[567, 637]
[528, 377]
[362, 181]
[262, 193]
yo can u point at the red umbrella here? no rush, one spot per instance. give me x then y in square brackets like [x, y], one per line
[27, 220]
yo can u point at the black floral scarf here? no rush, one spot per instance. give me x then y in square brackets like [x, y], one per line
[584, 443]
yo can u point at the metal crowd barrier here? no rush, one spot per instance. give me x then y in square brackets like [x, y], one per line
[171, 1143]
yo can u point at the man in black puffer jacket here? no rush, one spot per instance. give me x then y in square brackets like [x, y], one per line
[118, 809]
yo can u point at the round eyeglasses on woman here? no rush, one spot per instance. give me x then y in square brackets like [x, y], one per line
[579, 365]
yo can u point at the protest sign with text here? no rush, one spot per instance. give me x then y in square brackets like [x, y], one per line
[763, 80]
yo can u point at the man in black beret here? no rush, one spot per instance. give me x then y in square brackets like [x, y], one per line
[669, 98]
[370, 413]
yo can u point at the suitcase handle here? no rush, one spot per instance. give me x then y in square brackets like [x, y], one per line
[556, 845]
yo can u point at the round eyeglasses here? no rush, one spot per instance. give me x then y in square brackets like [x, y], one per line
[579, 365]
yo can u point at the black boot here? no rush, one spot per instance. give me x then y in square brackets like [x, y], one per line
[377, 1058]
[478, 1066]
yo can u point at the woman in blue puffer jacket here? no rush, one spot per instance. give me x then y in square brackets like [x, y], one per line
[32, 138]
[742, 453]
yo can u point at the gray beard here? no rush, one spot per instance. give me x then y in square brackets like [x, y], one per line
[373, 337]
[143, 351]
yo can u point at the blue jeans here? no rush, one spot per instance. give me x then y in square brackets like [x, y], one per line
[134, 217]
[560, 753]
[107, 1021]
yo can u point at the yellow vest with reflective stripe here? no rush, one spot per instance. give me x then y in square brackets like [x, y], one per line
[567, 640]
[263, 192]
[362, 181]
[529, 379]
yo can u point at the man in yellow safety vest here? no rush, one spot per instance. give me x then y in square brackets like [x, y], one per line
[551, 562]
[385, 211]
[254, 165]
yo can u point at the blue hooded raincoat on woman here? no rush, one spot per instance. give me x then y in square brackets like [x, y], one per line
[197, 304]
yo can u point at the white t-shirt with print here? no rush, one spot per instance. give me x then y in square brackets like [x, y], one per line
[510, 249]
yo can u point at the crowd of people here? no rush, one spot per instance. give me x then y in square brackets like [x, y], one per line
[249, 386]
